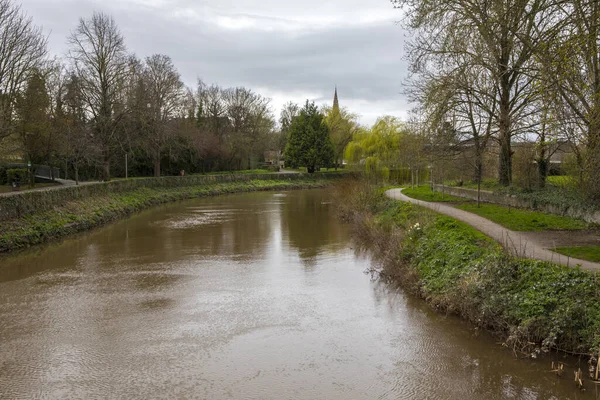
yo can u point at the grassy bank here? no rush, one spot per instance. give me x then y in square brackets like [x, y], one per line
[524, 220]
[510, 218]
[532, 305]
[86, 213]
[425, 193]
[590, 253]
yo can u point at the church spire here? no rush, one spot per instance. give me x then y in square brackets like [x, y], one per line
[336, 103]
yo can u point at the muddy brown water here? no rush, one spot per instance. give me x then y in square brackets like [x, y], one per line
[253, 296]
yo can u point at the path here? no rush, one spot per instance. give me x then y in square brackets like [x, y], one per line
[62, 184]
[518, 243]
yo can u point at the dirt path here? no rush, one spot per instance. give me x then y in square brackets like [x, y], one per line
[521, 244]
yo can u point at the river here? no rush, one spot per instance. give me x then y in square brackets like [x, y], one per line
[251, 296]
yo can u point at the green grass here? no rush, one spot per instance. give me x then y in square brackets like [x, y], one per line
[524, 220]
[589, 253]
[529, 303]
[424, 193]
[561, 181]
[486, 184]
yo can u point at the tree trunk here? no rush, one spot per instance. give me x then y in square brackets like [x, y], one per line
[592, 163]
[157, 165]
[106, 166]
[504, 135]
[478, 176]
[75, 165]
[542, 171]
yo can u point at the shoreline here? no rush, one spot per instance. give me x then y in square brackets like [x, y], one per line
[533, 306]
[86, 213]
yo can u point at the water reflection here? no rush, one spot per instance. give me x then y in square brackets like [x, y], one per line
[254, 296]
[312, 236]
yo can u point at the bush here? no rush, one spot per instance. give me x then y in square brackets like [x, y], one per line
[21, 175]
[3, 178]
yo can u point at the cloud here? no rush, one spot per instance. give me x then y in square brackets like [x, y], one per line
[285, 50]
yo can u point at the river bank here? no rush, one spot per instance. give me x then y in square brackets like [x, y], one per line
[38, 217]
[533, 306]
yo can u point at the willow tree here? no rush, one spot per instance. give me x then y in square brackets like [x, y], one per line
[342, 125]
[377, 149]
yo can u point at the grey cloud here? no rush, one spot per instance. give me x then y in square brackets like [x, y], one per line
[365, 59]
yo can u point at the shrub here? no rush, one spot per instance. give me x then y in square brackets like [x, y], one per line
[17, 174]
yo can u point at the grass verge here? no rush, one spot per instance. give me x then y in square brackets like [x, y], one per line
[85, 214]
[532, 305]
[425, 193]
[589, 253]
[523, 220]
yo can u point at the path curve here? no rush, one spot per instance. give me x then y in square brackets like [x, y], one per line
[515, 242]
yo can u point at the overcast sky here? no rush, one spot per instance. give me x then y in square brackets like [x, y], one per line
[283, 49]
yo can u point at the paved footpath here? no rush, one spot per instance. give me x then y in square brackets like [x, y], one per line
[515, 242]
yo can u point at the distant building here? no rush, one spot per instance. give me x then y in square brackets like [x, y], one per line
[336, 103]
[274, 158]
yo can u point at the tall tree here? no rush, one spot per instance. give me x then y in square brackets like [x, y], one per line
[289, 111]
[165, 96]
[342, 125]
[99, 57]
[571, 64]
[498, 36]
[309, 144]
[34, 119]
[22, 50]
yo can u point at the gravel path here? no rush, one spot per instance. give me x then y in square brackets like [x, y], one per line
[518, 243]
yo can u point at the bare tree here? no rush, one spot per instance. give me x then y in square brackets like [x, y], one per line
[572, 65]
[99, 58]
[22, 50]
[165, 95]
[498, 36]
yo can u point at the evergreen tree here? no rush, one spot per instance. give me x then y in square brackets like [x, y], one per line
[34, 121]
[309, 144]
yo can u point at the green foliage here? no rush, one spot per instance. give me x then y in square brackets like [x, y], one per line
[563, 181]
[34, 121]
[377, 147]
[524, 220]
[20, 175]
[3, 176]
[459, 270]
[309, 144]
[590, 253]
[342, 125]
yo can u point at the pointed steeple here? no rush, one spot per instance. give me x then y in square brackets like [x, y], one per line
[336, 103]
